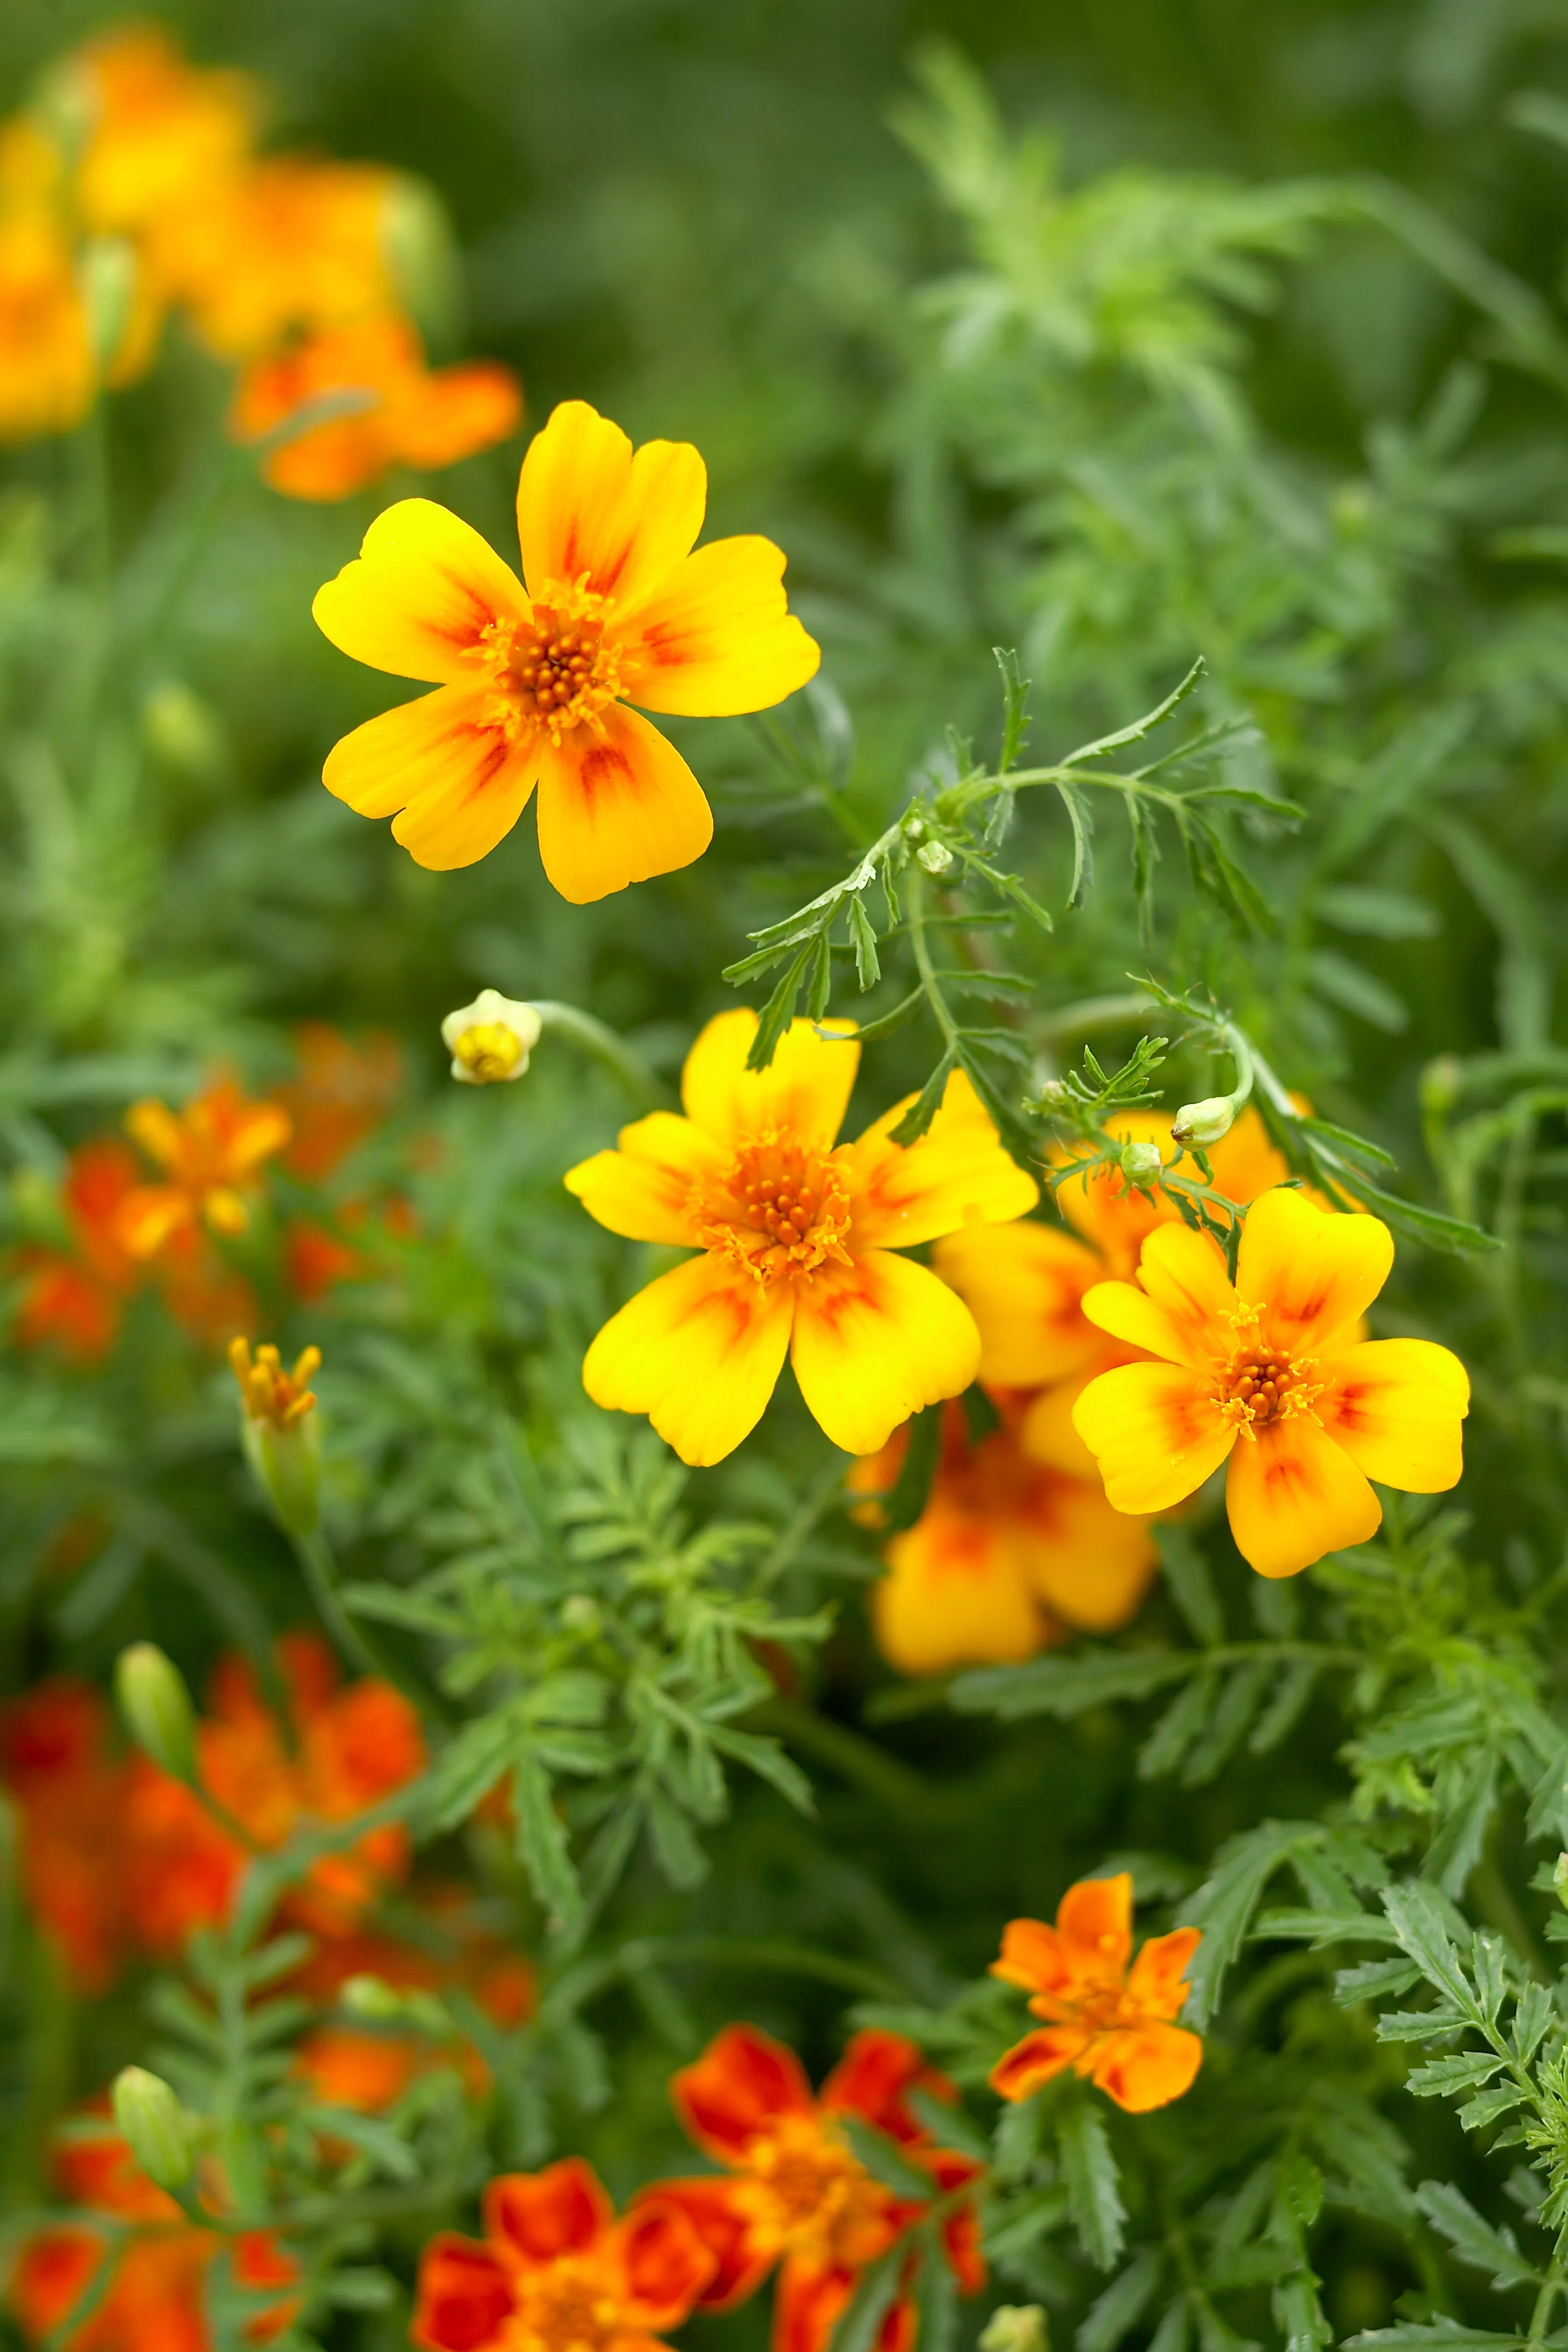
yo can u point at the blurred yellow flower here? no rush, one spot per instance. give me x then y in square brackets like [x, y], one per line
[208, 1154]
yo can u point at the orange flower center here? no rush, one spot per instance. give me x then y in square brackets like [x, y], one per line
[779, 1209]
[809, 2193]
[1261, 1384]
[563, 2309]
[557, 669]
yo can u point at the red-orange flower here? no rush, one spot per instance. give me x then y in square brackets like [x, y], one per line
[345, 1088]
[797, 2193]
[70, 1789]
[73, 1300]
[556, 2272]
[344, 1750]
[210, 1154]
[1107, 2022]
[408, 414]
[153, 2301]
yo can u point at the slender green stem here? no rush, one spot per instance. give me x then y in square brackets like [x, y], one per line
[603, 1044]
[315, 1557]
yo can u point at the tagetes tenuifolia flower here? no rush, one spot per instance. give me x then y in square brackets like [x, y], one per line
[799, 1237]
[796, 2194]
[156, 2262]
[209, 1154]
[1006, 1555]
[556, 2272]
[161, 135]
[1108, 2021]
[534, 684]
[73, 1300]
[1273, 1374]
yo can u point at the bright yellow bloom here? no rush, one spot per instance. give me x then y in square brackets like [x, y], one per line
[798, 1239]
[1276, 1362]
[47, 374]
[161, 135]
[534, 684]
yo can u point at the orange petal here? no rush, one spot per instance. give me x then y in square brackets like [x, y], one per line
[804, 1092]
[150, 1217]
[1153, 1431]
[420, 595]
[1245, 1161]
[617, 803]
[464, 2295]
[536, 2217]
[1396, 1407]
[663, 2260]
[1089, 1562]
[1147, 2066]
[447, 771]
[1038, 2058]
[956, 1174]
[1094, 1920]
[642, 1188]
[1314, 1271]
[587, 505]
[700, 1352]
[739, 2088]
[1292, 1494]
[875, 1342]
[455, 411]
[1032, 1957]
[954, 1595]
[1024, 1283]
[873, 2077]
[715, 636]
[1158, 1982]
[741, 2255]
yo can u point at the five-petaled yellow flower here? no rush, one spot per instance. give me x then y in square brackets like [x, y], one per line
[1275, 1374]
[534, 684]
[798, 1238]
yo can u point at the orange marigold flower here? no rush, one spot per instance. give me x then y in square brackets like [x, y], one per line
[161, 134]
[70, 1789]
[1276, 1361]
[409, 413]
[1007, 1553]
[798, 1238]
[534, 684]
[344, 1087]
[210, 1154]
[1107, 2022]
[556, 2272]
[797, 2194]
[156, 2273]
[47, 375]
[75, 1301]
[345, 1749]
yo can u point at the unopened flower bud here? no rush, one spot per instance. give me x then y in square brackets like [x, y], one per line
[1440, 1084]
[1141, 1162]
[1559, 1880]
[1204, 1122]
[372, 1998]
[154, 2126]
[1016, 2328]
[491, 1039]
[157, 1708]
[935, 856]
[278, 1431]
[106, 272]
[1053, 1093]
[182, 730]
[580, 1613]
[914, 827]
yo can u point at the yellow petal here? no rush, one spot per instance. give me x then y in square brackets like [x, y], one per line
[876, 1341]
[1024, 1283]
[1396, 1407]
[956, 1174]
[1315, 1271]
[1047, 1432]
[446, 766]
[642, 1188]
[1292, 1495]
[1184, 1274]
[587, 505]
[420, 595]
[1245, 1161]
[1089, 1562]
[1153, 1433]
[700, 1352]
[804, 1092]
[954, 1596]
[617, 803]
[716, 636]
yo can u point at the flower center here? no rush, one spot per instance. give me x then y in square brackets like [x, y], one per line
[779, 1209]
[562, 2309]
[489, 1049]
[807, 2189]
[1261, 1384]
[558, 669]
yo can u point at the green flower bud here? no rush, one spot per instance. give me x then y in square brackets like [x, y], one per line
[1016, 2328]
[370, 1997]
[935, 856]
[1141, 1162]
[154, 2126]
[1440, 1084]
[157, 1708]
[182, 730]
[278, 1431]
[1204, 1122]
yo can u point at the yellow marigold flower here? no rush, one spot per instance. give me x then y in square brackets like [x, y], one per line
[158, 135]
[1276, 1362]
[798, 1238]
[209, 1154]
[534, 684]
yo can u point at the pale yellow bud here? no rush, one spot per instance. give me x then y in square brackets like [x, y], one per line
[491, 1040]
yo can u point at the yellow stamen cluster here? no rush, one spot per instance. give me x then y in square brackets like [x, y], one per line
[272, 1396]
[559, 669]
[489, 1051]
[1261, 1384]
[779, 1209]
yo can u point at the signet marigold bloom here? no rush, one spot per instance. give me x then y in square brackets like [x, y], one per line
[58, 1765]
[1007, 1555]
[74, 1300]
[1272, 1375]
[795, 2194]
[210, 1154]
[412, 415]
[534, 683]
[1108, 2021]
[799, 1238]
[349, 1747]
[556, 2272]
[160, 134]
[153, 2295]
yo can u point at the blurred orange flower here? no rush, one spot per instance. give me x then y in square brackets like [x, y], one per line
[156, 2275]
[210, 1154]
[1108, 2021]
[48, 377]
[161, 134]
[70, 1789]
[343, 1750]
[291, 245]
[408, 414]
[1005, 1554]
[74, 1299]
[345, 1088]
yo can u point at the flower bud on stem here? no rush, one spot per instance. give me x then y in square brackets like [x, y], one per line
[154, 2126]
